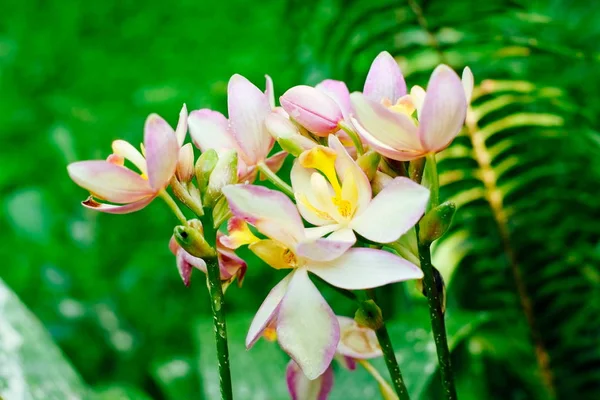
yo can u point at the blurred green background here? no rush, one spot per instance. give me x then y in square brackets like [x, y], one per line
[520, 262]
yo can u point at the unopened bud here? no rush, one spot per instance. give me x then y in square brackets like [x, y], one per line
[369, 162]
[369, 315]
[185, 163]
[380, 181]
[204, 167]
[192, 240]
[287, 134]
[224, 173]
[221, 212]
[312, 109]
[436, 222]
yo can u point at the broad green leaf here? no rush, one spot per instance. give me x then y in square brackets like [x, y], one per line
[31, 366]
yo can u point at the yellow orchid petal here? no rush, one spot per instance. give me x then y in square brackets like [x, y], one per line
[322, 159]
[349, 200]
[275, 254]
[239, 234]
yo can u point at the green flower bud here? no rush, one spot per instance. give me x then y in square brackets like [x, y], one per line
[221, 212]
[369, 315]
[204, 167]
[436, 222]
[369, 162]
[224, 173]
[192, 240]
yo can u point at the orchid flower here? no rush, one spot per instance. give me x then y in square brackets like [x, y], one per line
[356, 343]
[230, 265]
[383, 112]
[305, 324]
[333, 193]
[110, 180]
[245, 131]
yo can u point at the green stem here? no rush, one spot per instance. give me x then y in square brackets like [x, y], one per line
[173, 206]
[353, 136]
[392, 364]
[275, 180]
[433, 180]
[438, 324]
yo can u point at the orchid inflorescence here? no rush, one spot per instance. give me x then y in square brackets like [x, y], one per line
[350, 194]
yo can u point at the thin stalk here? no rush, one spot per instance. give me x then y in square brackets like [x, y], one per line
[383, 384]
[275, 180]
[392, 364]
[353, 136]
[434, 181]
[438, 324]
[173, 206]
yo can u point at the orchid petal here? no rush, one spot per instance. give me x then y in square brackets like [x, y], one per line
[468, 83]
[162, 151]
[275, 162]
[270, 211]
[301, 310]
[326, 249]
[127, 151]
[394, 129]
[117, 209]
[320, 231]
[357, 341]
[275, 254]
[305, 198]
[339, 92]
[108, 181]
[185, 263]
[239, 234]
[229, 263]
[209, 130]
[392, 212]
[248, 107]
[302, 388]
[364, 268]
[444, 109]
[267, 311]
[384, 80]
[417, 94]
[182, 125]
[269, 91]
[312, 109]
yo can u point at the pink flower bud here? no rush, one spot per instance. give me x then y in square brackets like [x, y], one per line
[312, 109]
[185, 163]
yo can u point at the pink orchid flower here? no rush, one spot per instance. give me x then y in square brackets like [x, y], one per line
[333, 193]
[383, 112]
[230, 265]
[245, 131]
[305, 324]
[110, 180]
[356, 343]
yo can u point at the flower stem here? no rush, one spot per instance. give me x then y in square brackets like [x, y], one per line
[433, 180]
[392, 364]
[173, 206]
[354, 136]
[383, 385]
[275, 180]
[438, 324]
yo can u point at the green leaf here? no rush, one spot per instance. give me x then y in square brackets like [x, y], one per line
[31, 365]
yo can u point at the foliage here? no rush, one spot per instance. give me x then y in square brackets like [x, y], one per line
[74, 78]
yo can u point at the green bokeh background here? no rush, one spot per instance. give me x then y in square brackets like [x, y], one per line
[76, 75]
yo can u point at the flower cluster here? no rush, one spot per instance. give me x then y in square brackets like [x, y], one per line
[349, 194]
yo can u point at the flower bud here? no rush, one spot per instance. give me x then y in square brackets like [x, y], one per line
[287, 134]
[224, 173]
[380, 181]
[185, 163]
[221, 212]
[192, 240]
[312, 109]
[204, 167]
[369, 315]
[369, 162]
[436, 222]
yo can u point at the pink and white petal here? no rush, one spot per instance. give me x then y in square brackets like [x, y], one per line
[275, 162]
[357, 341]
[162, 151]
[248, 107]
[209, 130]
[185, 264]
[302, 388]
[246, 174]
[305, 199]
[326, 249]
[468, 83]
[320, 231]
[384, 80]
[307, 328]
[444, 109]
[394, 129]
[312, 109]
[182, 125]
[229, 263]
[346, 362]
[384, 149]
[270, 211]
[109, 181]
[344, 164]
[339, 92]
[364, 268]
[267, 312]
[270, 91]
[396, 209]
[127, 151]
[117, 209]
